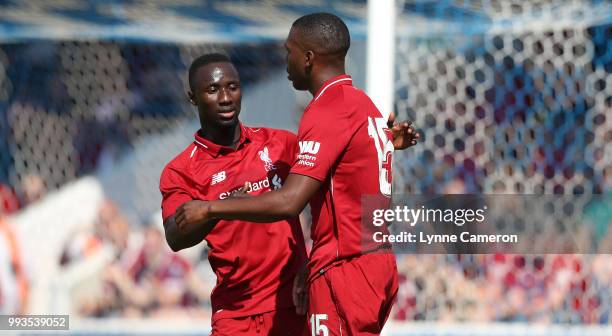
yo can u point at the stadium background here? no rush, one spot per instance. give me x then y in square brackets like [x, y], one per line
[510, 96]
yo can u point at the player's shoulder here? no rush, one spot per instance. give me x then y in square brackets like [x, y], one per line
[182, 160]
[349, 102]
[351, 95]
[338, 99]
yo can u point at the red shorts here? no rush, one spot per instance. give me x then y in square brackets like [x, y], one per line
[354, 297]
[282, 322]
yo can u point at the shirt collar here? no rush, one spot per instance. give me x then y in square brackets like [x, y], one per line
[215, 149]
[338, 80]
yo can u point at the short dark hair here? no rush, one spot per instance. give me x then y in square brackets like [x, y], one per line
[326, 32]
[202, 61]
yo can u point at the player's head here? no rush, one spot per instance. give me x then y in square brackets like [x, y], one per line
[215, 89]
[315, 41]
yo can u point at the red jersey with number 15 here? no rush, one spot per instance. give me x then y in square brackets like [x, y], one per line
[345, 143]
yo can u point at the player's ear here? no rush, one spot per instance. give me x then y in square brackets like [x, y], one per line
[191, 98]
[309, 57]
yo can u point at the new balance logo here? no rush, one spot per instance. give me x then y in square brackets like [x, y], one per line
[218, 177]
[309, 147]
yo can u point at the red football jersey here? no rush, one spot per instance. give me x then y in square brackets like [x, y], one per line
[345, 143]
[255, 263]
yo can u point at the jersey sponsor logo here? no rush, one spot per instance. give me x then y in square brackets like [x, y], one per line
[218, 177]
[305, 163]
[277, 182]
[264, 156]
[308, 150]
[309, 147]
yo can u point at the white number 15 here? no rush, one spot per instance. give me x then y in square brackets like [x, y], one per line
[384, 151]
[317, 328]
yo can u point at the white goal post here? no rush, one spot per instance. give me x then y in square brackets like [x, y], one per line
[380, 55]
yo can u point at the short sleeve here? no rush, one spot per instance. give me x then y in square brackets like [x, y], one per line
[320, 142]
[174, 189]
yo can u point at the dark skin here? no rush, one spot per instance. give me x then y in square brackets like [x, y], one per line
[308, 70]
[217, 95]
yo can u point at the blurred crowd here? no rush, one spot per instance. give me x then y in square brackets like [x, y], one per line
[13, 278]
[544, 288]
[32, 188]
[552, 288]
[142, 277]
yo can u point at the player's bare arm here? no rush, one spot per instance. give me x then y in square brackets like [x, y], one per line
[286, 202]
[192, 233]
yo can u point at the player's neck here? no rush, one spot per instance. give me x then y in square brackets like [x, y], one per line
[226, 136]
[322, 76]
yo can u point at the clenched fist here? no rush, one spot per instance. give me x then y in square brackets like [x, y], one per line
[190, 214]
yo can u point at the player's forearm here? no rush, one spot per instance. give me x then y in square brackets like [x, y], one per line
[269, 207]
[284, 203]
[178, 240]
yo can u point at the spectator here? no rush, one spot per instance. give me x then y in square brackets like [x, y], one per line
[33, 188]
[9, 203]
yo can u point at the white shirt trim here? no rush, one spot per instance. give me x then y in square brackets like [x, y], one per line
[201, 144]
[193, 151]
[332, 83]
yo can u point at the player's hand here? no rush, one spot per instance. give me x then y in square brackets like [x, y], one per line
[300, 291]
[242, 192]
[190, 214]
[404, 135]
